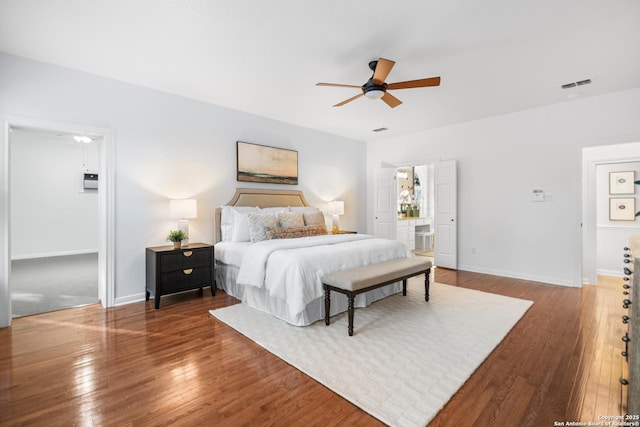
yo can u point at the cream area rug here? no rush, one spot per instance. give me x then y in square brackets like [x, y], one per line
[406, 358]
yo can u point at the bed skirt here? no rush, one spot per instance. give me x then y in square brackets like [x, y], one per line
[259, 298]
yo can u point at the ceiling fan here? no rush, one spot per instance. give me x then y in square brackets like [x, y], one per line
[376, 88]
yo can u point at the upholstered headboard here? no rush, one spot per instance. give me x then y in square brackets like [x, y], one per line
[262, 198]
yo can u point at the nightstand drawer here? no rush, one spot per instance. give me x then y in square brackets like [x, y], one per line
[184, 258]
[187, 278]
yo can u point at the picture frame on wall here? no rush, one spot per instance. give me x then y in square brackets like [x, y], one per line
[261, 163]
[622, 209]
[622, 182]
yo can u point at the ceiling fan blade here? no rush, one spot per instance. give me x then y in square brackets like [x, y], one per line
[431, 81]
[349, 100]
[383, 68]
[391, 100]
[336, 85]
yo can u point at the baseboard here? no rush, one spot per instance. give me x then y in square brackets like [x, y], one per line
[613, 273]
[54, 254]
[512, 275]
[130, 299]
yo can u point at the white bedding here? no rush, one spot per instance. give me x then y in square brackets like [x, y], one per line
[290, 270]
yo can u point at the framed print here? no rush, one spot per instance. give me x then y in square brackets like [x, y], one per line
[622, 209]
[260, 163]
[622, 182]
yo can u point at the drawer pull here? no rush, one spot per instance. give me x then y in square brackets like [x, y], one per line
[627, 261]
[187, 253]
[625, 319]
[627, 271]
[188, 271]
[624, 381]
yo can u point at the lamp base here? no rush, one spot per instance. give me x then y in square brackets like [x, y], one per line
[335, 224]
[183, 225]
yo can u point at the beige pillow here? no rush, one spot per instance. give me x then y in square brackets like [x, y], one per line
[313, 218]
[294, 232]
[258, 224]
[290, 219]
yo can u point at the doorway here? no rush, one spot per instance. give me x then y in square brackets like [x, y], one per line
[596, 234]
[54, 226]
[106, 209]
[387, 212]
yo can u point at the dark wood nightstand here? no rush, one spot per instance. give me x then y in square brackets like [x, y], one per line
[172, 270]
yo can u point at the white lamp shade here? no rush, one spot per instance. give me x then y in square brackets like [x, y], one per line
[336, 207]
[183, 209]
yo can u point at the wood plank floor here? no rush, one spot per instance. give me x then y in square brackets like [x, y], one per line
[133, 366]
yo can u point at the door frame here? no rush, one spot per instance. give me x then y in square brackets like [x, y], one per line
[106, 205]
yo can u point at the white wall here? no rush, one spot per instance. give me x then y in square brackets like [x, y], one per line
[50, 211]
[500, 161]
[172, 147]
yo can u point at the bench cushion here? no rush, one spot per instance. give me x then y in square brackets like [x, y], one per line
[365, 276]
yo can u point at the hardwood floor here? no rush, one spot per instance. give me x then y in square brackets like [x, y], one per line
[133, 365]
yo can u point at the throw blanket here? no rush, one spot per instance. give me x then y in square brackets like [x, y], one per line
[291, 269]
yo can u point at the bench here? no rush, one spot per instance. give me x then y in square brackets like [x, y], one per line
[357, 280]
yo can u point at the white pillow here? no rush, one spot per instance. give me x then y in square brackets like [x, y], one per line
[258, 224]
[303, 209]
[231, 230]
[274, 211]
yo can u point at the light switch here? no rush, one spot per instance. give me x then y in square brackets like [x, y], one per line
[538, 196]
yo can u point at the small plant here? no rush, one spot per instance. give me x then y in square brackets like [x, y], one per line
[177, 236]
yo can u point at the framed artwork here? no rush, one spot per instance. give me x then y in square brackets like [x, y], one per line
[622, 182]
[260, 163]
[622, 209]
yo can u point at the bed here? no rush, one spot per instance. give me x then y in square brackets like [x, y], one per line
[277, 267]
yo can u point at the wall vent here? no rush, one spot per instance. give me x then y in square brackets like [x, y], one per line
[380, 129]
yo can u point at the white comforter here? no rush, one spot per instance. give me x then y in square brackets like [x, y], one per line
[291, 269]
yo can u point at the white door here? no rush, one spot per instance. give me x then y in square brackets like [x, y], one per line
[384, 204]
[446, 211]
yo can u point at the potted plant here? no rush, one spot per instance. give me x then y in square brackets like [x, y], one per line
[177, 237]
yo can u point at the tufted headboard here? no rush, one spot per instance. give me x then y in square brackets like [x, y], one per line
[262, 198]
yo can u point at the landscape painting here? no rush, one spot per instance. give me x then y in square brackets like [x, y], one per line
[260, 163]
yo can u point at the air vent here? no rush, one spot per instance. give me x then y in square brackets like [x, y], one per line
[380, 129]
[574, 84]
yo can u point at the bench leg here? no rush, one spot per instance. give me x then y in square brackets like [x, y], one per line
[426, 285]
[350, 310]
[404, 287]
[327, 304]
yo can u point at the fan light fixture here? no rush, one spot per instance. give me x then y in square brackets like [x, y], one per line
[374, 94]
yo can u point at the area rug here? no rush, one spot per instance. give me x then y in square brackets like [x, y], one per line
[407, 357]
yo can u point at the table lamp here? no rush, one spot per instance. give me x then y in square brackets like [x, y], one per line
[183, 210]
[336, 208]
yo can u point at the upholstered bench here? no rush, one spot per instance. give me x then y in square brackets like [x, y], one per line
[357, 280]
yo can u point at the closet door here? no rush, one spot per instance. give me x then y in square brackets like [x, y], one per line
[446, 215]
[384, 203]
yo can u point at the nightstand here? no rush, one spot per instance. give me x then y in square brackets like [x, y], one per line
[172, 270]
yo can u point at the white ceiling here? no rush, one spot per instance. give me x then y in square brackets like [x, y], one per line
[264, 57]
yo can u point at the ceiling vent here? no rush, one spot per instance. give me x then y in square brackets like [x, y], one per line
[574, 84]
